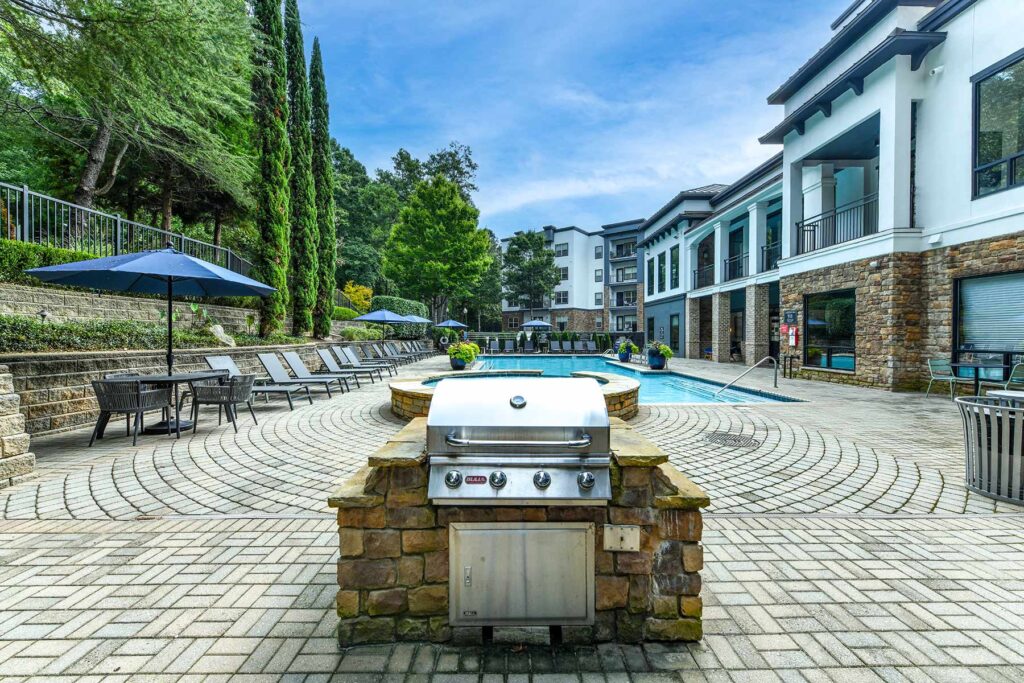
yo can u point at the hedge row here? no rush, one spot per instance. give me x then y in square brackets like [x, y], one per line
[343, 313]
[17, 257]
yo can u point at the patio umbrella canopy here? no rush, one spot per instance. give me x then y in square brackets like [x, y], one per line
[163, 271]
[536, 325]
[418, 319]
[452, 325]
[384, 317]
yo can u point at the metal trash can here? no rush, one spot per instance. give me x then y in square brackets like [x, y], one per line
[994, 446]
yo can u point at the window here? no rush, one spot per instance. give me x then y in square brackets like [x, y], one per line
[598, 274]
[625, 298]
[830, 323]
[661, 272]
[990, 318]
[561, 298]
[598, 323]
[562, 249]
[599, 251]
[625, 323]
[626, 274]
[650, 276]
[563, 273]
[513, 323]
[999, 126]
[673, 266]
[562, 323]
[673, 332]
[598, 298]
[624, 250]
[650, 330]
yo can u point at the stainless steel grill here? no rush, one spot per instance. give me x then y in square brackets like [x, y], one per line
[518, 441]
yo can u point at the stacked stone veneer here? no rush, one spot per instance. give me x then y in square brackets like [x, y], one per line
[15, 460]
[67, 305]
[393, 566]
[55, 389]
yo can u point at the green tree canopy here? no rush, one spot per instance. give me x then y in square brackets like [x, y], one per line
[436, 251]
[530, 273]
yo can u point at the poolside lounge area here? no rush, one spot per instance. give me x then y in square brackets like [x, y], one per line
[215, 555]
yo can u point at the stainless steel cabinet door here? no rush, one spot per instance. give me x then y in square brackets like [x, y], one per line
[521, 573]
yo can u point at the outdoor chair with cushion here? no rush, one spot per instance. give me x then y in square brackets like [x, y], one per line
[510, 346]
[332, 367]
[348, 358]
[579, 347]
[554, 346]
[226, 396]
[939, 370]
[261, 387]
[492, 346]
[127, 397]
[300, 370]
[591, 347]
[528, 347]
[279, 375]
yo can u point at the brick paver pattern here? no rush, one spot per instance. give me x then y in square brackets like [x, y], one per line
[841, 546]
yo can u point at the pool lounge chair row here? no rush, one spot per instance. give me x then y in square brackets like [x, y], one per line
[574, 347]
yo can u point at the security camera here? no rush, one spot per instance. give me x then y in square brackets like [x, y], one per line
[937, 70]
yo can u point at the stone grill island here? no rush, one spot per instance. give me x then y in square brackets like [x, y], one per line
[639, 551]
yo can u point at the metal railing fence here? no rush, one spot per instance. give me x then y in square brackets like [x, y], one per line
[844, 223]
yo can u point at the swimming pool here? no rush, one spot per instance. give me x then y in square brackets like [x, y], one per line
[654, 387]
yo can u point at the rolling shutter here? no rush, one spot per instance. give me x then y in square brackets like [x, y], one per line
[992, 312]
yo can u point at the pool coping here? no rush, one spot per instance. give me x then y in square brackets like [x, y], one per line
[777, 396]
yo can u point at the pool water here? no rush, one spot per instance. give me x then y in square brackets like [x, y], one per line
[654, 388]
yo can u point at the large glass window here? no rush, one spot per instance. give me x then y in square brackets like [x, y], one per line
[626, 274]
[999, 129]
[625, 298]
[625, 323]
[661, 272]
[673, 332]
[650, 330]
[650, 276]
[673, 266]
[830, 323]
[562, 249]
[991, 319]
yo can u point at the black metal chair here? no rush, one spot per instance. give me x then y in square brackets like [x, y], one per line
[226, 396]
[128, 397]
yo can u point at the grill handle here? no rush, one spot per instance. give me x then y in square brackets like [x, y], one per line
[452, 440]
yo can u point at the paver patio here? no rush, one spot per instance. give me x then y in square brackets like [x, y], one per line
[842, 546]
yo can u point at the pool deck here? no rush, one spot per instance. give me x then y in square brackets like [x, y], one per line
[841, 545]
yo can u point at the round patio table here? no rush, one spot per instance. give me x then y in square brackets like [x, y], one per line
[978, 367]
[176, 379]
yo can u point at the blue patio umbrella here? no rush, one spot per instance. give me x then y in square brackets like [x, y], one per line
[160, 271]
[384, 317]
[536, 325]
[452, 325]
[418, 319]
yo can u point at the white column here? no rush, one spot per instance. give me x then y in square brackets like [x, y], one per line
[894, 151]
[792, 204]
[819, 188]
[758, 229]
[721, 250]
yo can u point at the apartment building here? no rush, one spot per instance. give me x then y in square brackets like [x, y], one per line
[599, 286]
[890, 228]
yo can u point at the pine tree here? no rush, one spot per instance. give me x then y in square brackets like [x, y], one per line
[270, 137]
[323, 177]
[304, 232]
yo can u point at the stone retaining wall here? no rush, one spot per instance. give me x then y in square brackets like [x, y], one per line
[64, 305]
[394, 561]
[16, 462]
[55, 388]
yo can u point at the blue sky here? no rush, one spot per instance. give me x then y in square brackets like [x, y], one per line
[579, 113]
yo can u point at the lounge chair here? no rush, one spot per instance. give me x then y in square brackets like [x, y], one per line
[409, 348]
[393, 351]
[332, 367]
[528, 346]
[279, 375]
[347, 357]
[286, 390]
[381, 352]
[492, 346]
[554, 346]
[302, 372]
[591, 347]
[939, 370]
[226, 396]
[578, 347]
[510, 346]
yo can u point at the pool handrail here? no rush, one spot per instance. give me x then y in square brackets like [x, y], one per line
[775, 382]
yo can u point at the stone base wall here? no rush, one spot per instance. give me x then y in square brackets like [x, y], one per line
[394, 563]
[55, 389]
[65, 305]
[16, 462]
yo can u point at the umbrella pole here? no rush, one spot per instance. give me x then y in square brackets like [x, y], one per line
[170, 326]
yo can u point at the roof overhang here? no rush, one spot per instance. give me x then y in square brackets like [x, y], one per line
[917, 44]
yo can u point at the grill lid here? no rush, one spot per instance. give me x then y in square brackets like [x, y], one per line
[528, 414]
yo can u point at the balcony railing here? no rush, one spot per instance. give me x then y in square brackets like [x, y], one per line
[735, 267]
[28, 216]
[704, 277]
[620, 255]
[842, 224]
[770, 255]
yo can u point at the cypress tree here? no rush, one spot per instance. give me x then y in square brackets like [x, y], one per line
[305, 236]
[323, 177]
[270, 138]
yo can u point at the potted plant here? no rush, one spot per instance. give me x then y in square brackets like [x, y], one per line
[626, 350]
[461, 354]
[657, 355]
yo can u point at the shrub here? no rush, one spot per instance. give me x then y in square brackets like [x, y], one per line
[342, 313]
[465, 351]
[359, 295]
[361, 333]
[397, 304]
[17, 257]
[628, 347]
[662, 349]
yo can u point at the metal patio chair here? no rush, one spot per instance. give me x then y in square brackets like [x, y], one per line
[127, 397]
[226, 395]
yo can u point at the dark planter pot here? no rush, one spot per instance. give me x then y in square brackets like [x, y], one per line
[624, 357]
[655, 361]
[457, 363]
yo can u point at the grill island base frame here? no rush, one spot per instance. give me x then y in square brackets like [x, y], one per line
[393, 568]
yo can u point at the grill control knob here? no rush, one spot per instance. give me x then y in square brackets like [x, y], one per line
[453, 479]
[586, 480]
[498, 479]
[542, 480]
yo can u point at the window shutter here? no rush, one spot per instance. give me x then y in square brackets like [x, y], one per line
[992, 312]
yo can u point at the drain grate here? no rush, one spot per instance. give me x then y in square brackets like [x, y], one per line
[732, 440]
